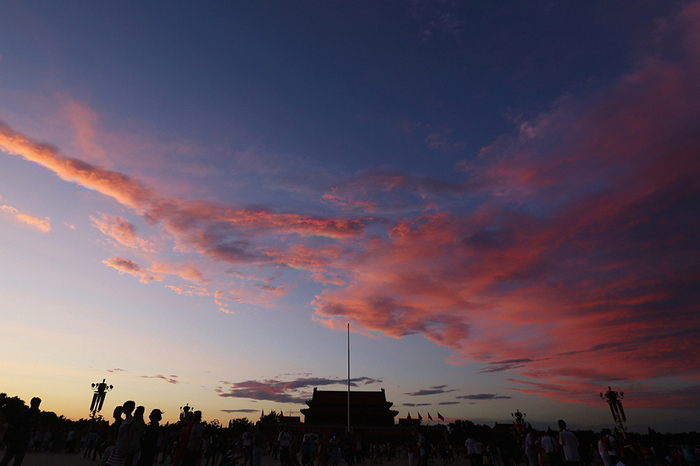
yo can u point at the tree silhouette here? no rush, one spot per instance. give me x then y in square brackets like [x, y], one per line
[11, 406]
[272, 419]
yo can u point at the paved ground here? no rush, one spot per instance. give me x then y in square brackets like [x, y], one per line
[56, 459]
[66, 459]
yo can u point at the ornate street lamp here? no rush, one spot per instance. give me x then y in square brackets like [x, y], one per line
[184, 410]
[98, 398]
[519, 421]
[613, 399]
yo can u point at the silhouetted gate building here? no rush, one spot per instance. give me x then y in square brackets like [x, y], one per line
[330, 408]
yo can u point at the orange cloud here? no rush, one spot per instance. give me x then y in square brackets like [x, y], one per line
[567, 257]
[261, 295]
[184, 271]
[43, 226]
[218, 232]
[580, 252]
[84, 120]
[122, 232]
[158, 271]
[189, 290]
[116, 185]
[132, 268]
[338, 200]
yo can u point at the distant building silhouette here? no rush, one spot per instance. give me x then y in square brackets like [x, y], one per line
[289, 420]
[330, 408]
[409, 421]
[501, 428]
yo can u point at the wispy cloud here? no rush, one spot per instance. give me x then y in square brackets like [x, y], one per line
[132, 268]
[440, 389]
[563, 247]
[501, 366]
[43, 225]
[582, 237]
[170, 379]
[234, 235]
[121, 231]
[284, 391]
[483, 396]
[389, 191]
[436, 19]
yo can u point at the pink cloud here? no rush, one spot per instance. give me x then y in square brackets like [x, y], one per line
[572, 261]
[284, 391]
[122, 232]
[189, 290]
[183, 271]
[171, 379]
[264, 295]
[121, 187]
[349, 203]
[158, 271]
[43, 225]
[84, 121]
[579, 253]
[233, 235]
[262, 390]
[132, 268]
[388, 191]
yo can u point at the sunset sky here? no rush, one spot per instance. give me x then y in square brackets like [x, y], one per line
[501, 198]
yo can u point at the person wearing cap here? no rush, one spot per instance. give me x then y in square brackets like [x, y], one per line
[149, 444]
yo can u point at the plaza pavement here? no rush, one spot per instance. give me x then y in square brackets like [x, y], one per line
[76, 459]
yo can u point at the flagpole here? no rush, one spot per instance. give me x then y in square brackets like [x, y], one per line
[348, 377]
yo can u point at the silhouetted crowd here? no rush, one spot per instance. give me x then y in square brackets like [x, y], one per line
[130, 440]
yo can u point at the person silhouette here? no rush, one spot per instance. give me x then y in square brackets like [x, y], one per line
[120, 451]
[569, 444]
[21, 432]
[149, 443]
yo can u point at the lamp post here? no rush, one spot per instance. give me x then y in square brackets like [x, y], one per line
[519, 422]
[98, 398]
[184, 410]
[613, 399]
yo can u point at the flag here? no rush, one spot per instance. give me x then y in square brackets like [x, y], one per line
[430, 417]
[420, 418]
[440, 417]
